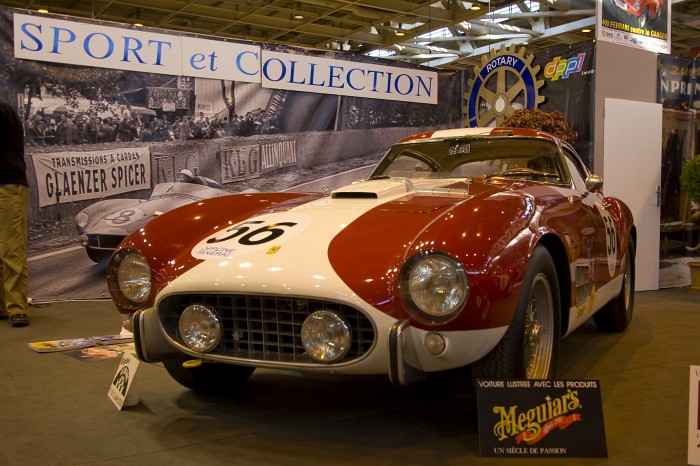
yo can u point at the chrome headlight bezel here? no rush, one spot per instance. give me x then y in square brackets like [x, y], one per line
[129, 278]
[434, 285]
[81, 221]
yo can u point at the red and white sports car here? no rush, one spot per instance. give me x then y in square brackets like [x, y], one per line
[475, 247]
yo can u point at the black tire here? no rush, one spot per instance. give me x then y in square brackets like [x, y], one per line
[209, 377]
[530, 347]
[98, 255]
[617, 314]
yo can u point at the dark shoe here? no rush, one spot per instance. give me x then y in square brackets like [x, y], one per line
[19, 320]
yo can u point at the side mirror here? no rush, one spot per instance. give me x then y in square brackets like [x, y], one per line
[594, 183]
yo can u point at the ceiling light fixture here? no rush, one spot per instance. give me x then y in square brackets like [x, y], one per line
[42, 10]
[475, 7]
[298, 14]
[585, 30]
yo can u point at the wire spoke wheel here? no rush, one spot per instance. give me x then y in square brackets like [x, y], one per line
[538, 337]
[530, 347]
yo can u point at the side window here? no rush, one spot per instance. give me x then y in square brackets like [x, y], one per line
[578, 173]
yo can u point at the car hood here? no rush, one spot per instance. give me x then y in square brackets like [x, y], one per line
[123, 216]
[349, 246]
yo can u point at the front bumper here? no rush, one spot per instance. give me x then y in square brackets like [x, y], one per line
[264, 332]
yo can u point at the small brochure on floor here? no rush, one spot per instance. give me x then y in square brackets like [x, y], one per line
[114, 339]
[540, 418]
[77, 343]
[101, 352]
[61, 345]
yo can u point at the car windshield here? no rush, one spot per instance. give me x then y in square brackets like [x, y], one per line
[509, 157]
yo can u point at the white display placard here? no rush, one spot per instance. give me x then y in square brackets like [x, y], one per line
[694, 417]
[121, 390]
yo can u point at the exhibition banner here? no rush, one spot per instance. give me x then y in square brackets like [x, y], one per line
[89, 44]
[343, 77]
[568, 74]
[642, 24]
[678, 82]
[54, 40]
[560, 78]
[63, 177]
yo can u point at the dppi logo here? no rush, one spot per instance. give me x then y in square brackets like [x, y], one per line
[562, 68]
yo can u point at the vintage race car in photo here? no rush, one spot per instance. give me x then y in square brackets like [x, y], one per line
[644, 10]
[477, 247]
[104, 224]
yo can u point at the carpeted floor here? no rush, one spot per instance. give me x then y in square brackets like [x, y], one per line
[54, 408]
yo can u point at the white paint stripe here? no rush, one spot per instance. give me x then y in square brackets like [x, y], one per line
[54, 253]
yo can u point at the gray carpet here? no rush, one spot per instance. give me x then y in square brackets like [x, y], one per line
[54, 408]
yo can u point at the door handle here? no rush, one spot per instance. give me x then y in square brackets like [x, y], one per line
[658, 196]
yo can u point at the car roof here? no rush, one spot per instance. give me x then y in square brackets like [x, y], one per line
[478, 132]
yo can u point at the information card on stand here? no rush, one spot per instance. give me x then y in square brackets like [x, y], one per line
[541, 418]
[694, 416]
[121, 391]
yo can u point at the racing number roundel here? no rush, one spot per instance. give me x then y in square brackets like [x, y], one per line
[124, 217]
[610, 238]
[262, 232]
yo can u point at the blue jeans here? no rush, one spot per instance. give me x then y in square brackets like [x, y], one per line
[14, 275]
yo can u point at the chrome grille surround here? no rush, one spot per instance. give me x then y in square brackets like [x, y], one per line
[266, 328]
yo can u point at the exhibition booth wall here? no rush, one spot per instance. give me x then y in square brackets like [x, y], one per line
[131, 130]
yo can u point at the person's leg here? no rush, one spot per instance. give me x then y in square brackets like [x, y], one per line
[3, 310]
[13, 248]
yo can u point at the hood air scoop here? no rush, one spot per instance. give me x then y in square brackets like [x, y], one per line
[374, 189]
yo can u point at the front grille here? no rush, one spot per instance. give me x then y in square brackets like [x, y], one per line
[105, 241]
[267, 328]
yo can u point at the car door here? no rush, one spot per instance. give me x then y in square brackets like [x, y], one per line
[597, 260]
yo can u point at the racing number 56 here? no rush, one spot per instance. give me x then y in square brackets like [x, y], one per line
[611, 236]
[247, 236]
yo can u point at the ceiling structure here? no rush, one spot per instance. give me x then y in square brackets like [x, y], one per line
[448, 34]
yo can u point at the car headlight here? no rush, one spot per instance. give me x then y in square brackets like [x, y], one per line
[129, 278]
[435, 285]
[326, 336]
[200, 327]
[81, 221]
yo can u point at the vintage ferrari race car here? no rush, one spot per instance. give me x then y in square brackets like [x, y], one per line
[104, 224]
[477, 247]
[644, 10]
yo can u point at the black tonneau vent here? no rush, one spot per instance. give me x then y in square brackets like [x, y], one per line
[354, 195]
